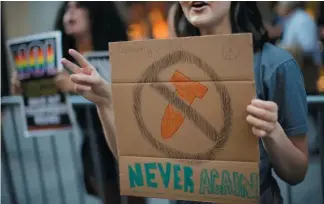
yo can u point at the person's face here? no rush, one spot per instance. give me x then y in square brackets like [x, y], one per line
[205, 14]
[76, 19]
[281, 9]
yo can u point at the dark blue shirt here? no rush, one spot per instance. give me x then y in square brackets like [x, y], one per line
[278, 78]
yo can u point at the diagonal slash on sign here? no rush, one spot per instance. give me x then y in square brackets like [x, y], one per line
[188, 111]
[151, 75]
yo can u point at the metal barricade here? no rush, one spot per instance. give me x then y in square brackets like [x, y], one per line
[317, 101]
[40, 169]
[26, 164]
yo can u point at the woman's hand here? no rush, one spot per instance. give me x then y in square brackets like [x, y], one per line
[87, 81]
[263, 116]
[15, 85]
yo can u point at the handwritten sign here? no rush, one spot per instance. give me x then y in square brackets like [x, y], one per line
[206, 180]
[151, 74]
[36, 58]
[211, 181]
[184, 107]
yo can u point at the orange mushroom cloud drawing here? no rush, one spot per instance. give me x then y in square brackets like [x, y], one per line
[188, 91]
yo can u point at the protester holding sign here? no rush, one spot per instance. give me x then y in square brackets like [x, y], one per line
[86, 27]
[90, 26]
[279, 114]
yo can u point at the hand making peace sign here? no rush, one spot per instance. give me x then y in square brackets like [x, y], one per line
[88, 82]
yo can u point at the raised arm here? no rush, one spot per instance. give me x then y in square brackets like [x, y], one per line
[90, 85]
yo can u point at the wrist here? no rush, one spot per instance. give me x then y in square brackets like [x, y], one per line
[103, 104]
[275, 135]
[106, 93]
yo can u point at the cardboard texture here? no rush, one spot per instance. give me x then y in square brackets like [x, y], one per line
[180, 109]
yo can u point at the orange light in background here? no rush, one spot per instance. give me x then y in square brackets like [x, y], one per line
[310, 12]
[320, 82]
[148, 20]
[138, 31]
[160, 27]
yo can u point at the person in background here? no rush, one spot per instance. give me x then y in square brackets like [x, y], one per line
[275, 27]
[299, 29]
[278, 117]
[320, 23]
[302, 39]
[90, 26]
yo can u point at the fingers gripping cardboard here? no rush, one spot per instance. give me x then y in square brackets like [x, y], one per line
[180, 109]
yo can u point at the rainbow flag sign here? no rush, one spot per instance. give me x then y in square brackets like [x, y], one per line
[36, 60]
[100, 60]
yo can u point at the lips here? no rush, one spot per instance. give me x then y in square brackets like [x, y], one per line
[72, 21]
[198, 4]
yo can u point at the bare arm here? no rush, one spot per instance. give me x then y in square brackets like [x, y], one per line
[89, 84]
[289, 156]
[106, 115]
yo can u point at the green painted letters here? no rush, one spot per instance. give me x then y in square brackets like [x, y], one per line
[227, 187]
[135, 176]
[176, 177]
[188, 182]
[165, 174]
[149, 175]
[235, 184]
[169, 173]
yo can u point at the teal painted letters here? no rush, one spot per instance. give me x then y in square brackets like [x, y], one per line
[150, 176]
[228, 184]
[227, 187]
[188, 182]
[165, 173]
[135, 176]
[176, 177]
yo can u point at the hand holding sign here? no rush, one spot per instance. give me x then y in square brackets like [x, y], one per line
[15, 86]
[263, 117]
[88, 82]
[62, 82]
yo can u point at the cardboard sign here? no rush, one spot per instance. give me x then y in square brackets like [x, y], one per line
[35, 59]
[180, 116]
[100, 60]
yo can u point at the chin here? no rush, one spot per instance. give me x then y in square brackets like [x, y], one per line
[200, 22]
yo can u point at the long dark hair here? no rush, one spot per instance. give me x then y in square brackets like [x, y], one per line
[245, 17]
[106, 25]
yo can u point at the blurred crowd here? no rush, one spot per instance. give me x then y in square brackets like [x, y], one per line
[300, 30]
[89, 26]
[297, 25]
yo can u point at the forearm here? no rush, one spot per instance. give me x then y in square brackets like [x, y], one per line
[289, 162]
[106, 116]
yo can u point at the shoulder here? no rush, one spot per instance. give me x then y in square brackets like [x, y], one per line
[283, 81]
[275, 59]
[302, 17]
